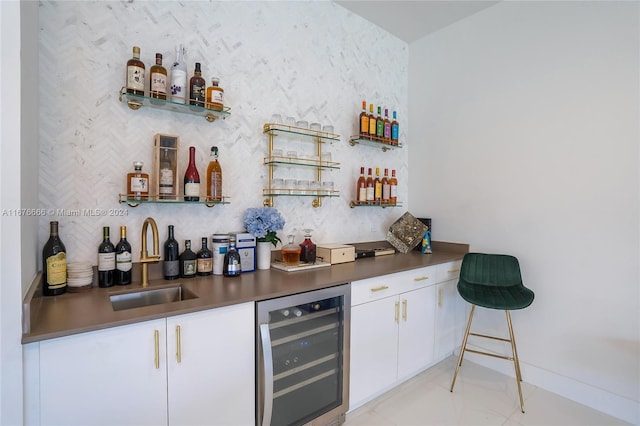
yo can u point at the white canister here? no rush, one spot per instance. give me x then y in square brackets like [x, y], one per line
[219, 246]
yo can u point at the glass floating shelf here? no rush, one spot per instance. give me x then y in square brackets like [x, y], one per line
[353, 204]
[294, 161]
[136, 101]
[125, 199]
[355, 140]
[276, 127]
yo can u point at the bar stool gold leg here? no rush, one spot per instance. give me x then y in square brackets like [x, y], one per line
[463, 347]
[516, 361]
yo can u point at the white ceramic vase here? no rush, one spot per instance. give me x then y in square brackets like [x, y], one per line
[263, 254]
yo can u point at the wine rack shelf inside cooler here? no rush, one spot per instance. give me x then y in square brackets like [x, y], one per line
[355, 140]
[136, 101]
[272, 161]
[125, 199]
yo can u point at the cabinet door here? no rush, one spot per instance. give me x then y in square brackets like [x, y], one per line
[106, 377]
[374, 349]
[446, 319]
[416, 339]
[213, 380]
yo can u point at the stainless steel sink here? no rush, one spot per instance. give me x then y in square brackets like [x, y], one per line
[149, 297]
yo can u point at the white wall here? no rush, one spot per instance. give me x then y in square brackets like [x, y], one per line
[525, 131]
[306, 59]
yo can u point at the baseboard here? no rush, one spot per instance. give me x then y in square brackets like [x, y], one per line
[582, 393]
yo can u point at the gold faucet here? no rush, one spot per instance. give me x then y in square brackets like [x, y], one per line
[145, 259]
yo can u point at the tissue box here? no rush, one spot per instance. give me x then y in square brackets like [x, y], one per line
[246, 246]
[336, 253]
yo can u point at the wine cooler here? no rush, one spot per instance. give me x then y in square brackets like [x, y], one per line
[303, 358]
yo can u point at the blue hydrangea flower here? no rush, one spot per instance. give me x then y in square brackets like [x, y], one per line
[263, 222]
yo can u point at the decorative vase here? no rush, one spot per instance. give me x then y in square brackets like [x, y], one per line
[263, 250]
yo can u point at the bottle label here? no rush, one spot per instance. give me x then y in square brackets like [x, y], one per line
[364, 124]
[217, 96]
[394, 132]
[370, 192]
[139, 184]
[57, 271]
[166, 181]
[171, 268]
[178, 85]
[106, 261]
[192, 189]
[362, 194]
[123, 261]
[378, 191]
[158, 82]
[205, 265]
[216, 185]
[189, 267]
[380, 128]
[387, 130]
[233, 267]
[386, 192]
[372, 126]
[394, 191]
[135, 78]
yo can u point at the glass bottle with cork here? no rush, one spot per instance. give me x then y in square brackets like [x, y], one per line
[158, 79]
[361, 188]
[54, 263]
[291, 252]
[197, 90]
[137, 183]
[372, 123]
[106, 260]
[231, 266]
[192, 178]
[393, 189]
[364, 121]
[377, 185]
[214, 177]
[179, 77]
[307, 248]
[135, 73]
[215, 95]
[386, 187]
[395, 128]
[122, 274]
[204, 261]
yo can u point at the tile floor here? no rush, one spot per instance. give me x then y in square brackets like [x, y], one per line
[481, 397]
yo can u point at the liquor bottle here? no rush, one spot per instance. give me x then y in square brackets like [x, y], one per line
[380, 125]
[135, 73]
[192, 178]
[377, 185]
[386, 132]
[204, 261]
[231, 267]
[215, 95]
[197, 90]
[187, 261]
[364, 121]
[171, 265]
[214, 177]
[106, 260]
[137, 183]
[54, 263]
[179, 77]
[158, 79]
[167, 189]
[386, 187]
[393, 188]
[361, 188]
[372, 123]
[395, 128]
[307, 248]
[370, 188]
[122, 275]
[291, 252]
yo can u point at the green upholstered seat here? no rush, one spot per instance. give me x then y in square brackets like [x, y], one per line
[493, 281]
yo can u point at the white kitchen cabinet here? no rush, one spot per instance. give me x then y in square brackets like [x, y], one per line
[135, 374]
[211, 367]
[449, 311]
[416, 331]
[106, 377]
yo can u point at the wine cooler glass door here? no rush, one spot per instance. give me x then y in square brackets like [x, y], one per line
[303, 363]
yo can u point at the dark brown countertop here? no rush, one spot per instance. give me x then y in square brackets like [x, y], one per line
[72, 313]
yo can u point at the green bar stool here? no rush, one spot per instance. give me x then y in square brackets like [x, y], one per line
[493, 281]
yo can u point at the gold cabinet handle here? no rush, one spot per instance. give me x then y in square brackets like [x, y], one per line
[397, 312]
[451, 271]
[178, 345]
[440, 293]
[421, 278]
[156, 339]
[404, 310]
[382, 287]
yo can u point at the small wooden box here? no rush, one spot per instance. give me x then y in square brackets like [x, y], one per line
[336, 253]
[165, 167]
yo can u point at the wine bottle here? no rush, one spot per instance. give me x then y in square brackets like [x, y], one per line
[204, 261]
[214, 177]
[370, 188]
[393, 188]
[171, 265]
[197, 87]
[158, 79]
[54, 263]
[386, 187]
[231, 266]
[135, 73]
[137, 183]
[187, 261]
[386, 131]
[192, 178]
[372, 123]
[122, 274]
[166, 184]
[379, 125]
[364, 121]
[179, 77]
[215, 95]
[377, 187]
[361, 188]
[395, 128]
[106, 260]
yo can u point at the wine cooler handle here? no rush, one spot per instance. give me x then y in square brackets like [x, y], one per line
[267, 357]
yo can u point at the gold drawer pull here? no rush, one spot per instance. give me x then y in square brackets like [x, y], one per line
[451, 271]
[179, 345]
[156, 339]
[382, 287]
[421, 278]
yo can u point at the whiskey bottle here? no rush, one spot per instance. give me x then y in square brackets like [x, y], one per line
[204, 260]
[386, 132]
[380, 125]
[395, 128]
[393, 189]
[372, 123]
[54, 263]
[158, 79]
[137, 183]
[188, 262]
[386, 187]
[106, 260]
[215, 95]
[192, 178]
[214, 177]
[377, 185]
[135, 73]
[122, 274]
[361, 188]
[197, 87]
[166, 184]
[370, 188]
[364, 121]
